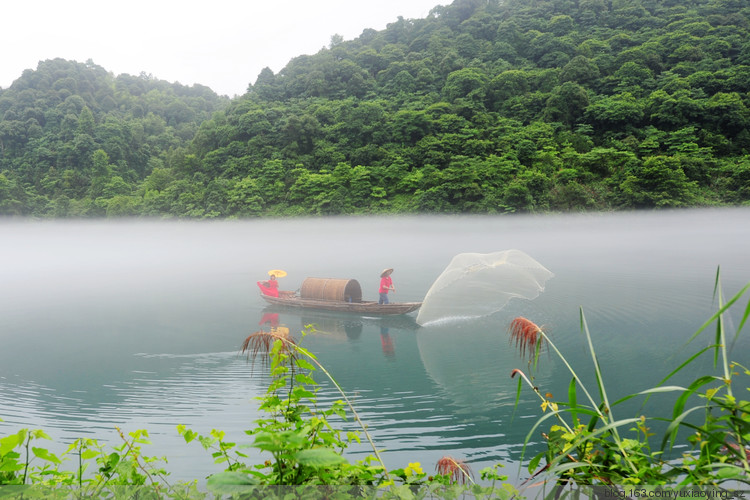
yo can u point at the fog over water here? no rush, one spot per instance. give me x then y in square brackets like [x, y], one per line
[138, 324]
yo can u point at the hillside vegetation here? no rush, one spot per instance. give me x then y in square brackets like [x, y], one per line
[482, 107]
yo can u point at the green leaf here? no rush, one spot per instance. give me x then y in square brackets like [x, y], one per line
[108, 463]
[9, 442]
[353, 436]
[573, 401]
[534, 463]
[592, 423]
[679, 405]
[304, 379]
[671, 431]
[188, 434]
[742, 322]
[730, 471]
[279, 441]
[11, 466]
[40, 434]
[519, 386]
[277, 384]
[45, 454]
[300, 392]
[228, 483]
[303, 363]
[320, 458]
[721, 311]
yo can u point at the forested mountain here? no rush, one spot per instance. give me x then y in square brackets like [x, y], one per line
[485, 106]
[76, 141]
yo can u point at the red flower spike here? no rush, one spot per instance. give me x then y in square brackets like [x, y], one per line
[526, 335]
[457, 470]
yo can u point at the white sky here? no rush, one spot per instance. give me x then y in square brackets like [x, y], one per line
[223, 44]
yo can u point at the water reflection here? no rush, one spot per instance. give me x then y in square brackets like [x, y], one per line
[386, 342]
[271, 321]
[416, 395]
[325, 326]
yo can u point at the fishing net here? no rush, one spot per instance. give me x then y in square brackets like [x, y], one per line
[475, 285]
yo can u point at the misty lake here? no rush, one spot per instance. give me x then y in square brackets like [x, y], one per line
[138, 324]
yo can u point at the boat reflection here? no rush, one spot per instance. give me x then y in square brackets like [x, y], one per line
[273, 323]
[386, 342]
[333, 327]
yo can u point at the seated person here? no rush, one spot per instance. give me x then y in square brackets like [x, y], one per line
[270, 287]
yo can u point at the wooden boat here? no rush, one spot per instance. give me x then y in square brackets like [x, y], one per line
[331, 294]
[363, 307]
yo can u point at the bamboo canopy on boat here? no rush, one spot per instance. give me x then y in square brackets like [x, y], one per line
[341, 290]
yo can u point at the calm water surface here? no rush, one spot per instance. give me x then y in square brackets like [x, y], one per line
[139, 324]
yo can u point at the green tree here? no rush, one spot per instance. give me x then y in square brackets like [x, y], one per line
[728, 112]
[528, 192]
[659, 183]
[246, 198]
[467, 83]
[506, 85]
[9, 205]
[581, 70]
[86, 123]
[567, 104]
[621, 110]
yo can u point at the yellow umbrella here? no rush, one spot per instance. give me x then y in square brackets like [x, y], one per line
[277, 272]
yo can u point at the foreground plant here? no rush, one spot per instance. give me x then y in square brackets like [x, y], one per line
[29, 469]
[457, 471]
[306, 450]
[589, 446]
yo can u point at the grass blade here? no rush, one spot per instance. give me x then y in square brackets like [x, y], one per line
[679, 405]
[685, 363]
[671, 432]
[573, 401]
[718, 313]
[654, 390]
[597, 369]
[743, 321]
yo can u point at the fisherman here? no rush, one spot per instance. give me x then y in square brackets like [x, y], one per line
[386, 284]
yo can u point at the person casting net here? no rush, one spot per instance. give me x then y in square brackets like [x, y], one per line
[475, 285]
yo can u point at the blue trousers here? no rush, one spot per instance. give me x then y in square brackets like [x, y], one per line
[383, 298]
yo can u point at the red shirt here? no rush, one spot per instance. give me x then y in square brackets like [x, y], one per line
[270, 287]
[385, 283]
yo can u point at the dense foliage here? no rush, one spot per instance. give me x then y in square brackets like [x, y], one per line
[77, 141]
[482, 107]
